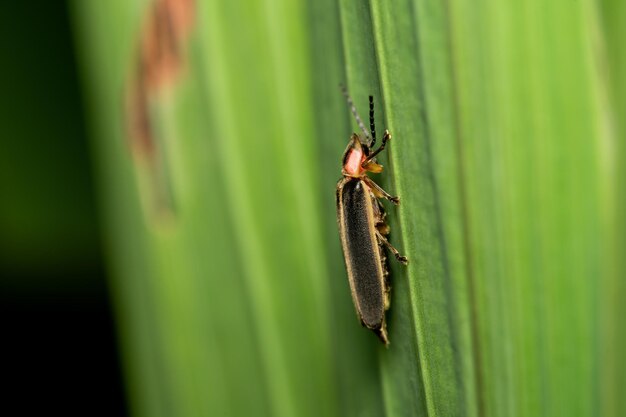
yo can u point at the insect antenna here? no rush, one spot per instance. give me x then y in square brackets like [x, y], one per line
[344, 91]
[372, 124]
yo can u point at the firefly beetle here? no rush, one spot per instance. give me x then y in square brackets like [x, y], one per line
[362, 227]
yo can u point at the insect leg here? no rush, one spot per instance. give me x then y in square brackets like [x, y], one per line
[372, 166]
[386, 137]
[380, 214]
[379, 192]
[383, 228]
[380, 209]
[402, 259]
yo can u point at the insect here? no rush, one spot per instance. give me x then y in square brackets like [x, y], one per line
[362, 227]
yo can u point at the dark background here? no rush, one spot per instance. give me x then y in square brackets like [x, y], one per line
[58, 337]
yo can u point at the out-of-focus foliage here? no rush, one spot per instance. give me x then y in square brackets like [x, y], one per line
[507, 152]
[57, 333]
[47, 221]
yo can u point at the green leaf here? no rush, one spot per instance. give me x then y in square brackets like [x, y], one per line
[226, 269]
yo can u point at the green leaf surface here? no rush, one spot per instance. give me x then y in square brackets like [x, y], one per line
[506, 152]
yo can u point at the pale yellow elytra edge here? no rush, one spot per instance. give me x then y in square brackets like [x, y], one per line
[362, 227]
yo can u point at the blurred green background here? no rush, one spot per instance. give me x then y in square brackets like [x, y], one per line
[215, 135]
[58, 338]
